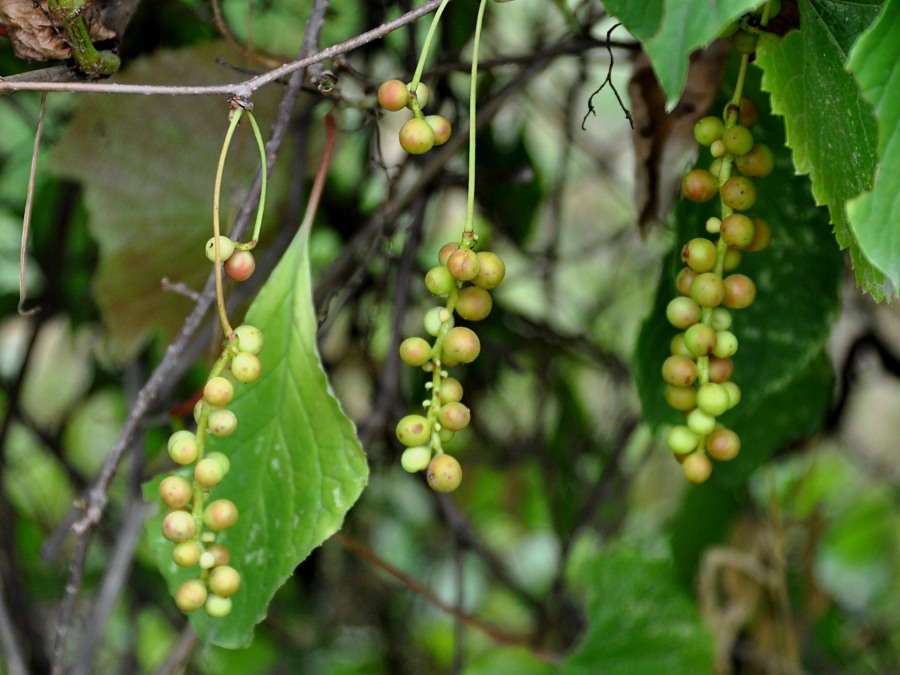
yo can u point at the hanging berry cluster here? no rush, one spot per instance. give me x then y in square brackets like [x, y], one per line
[194, 518]
[698, 373]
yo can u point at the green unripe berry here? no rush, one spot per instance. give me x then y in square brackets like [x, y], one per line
[208, 472]
[393, 95]
[246, 367]
[220, 554]
[186, 553]
[734, 393]
[683, 312]
[451, 390]
[423, 95]
[762, 235]
[462, 344]
[217, 606]
[463, 264]
[720, 369]
[738, 140]
[726, 344]
[739, 193]
[700, 339]
[250, 339]
[441, 127]
[713, 399]
[682, 440]
[474, 303]
[218, 391]
[434, 319]
[723, 444]
[240, 266]
[175, 491]
[416, 136]
[748, 113]
[733, 258]
[183, 449]
[226, 248]
[744, 42]
[737, 230]
[446, 435]
[416, 458]
[700, 423]
[207, 560]
[679, 371]
[699, 185]
[220, 515]
[491, 270]
[446, 250]
[709, 129]
[699, 254]
[677, 346]
[684, 280]
[740, 291]
[697, 467]
[454, 416]
[759, 162]
[444, 473]
[708, 290]
[682, 398]
[717, 149]
[413, 430]
[224, 580]
[439, 281]
[222, 459]
[415, 351]
[191, 595]
[720, 319]
[178, 526]
[715, 167]
[222, 422]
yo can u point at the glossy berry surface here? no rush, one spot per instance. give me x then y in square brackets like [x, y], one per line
[699, 254]
[224, 580]
[680, 371]
[175, 491]
[444, 473]
[451, 390]
[246, 367]
[708, 290]
[463, 264]
[226, 248]
[208, 472]
[682, 440]
[700, 339]
[683, 312]
[222, 422]
[240, 266]
[218, 391]
[415, 351]
[439, 281]
[462, 344]
[217, 606]
[220, 515]
[413, 430]
[416, 136]
[738, 140]
[250, 339]
[416, 458]
[440, 125]
[178, 526]
[491, 270]
[454, 416]
[723, 444]
[191, 595]
[474, 303]
[759, 162]
[740, 291]
[737, 230]
[699, 185]
[739, 193]
[708, 130]
[393, 95]
[186, 553]
[183, 448]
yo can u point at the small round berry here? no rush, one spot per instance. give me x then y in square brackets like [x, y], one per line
[713, 399]
[462, 344]
[684, 280]
[434, 319]
[733, 258]
[416, 458]
[474, 303]
[207, 560]
[191, 595]
[183, 449]
[737, 230]
[250, 339]
[739, 193]
[679, 371]
[720, 319]
[697, 467]
[738, 140]
[740, 291]
[454, 416]
[393, 95]
[222, 422]
[446, 250]
[677, 346]
[217, 606]
[726, 344]
[759, 162]
[208, 472]
[491, 270]
[222, 459]
[744, 42]
[762, 235]
[413, 430]
[444, 473]
[423, 95]
[186, 553]
[218, 391]
[700, 423]
[441, 127]
[224, 580]
[700, 339]
[246, 367]
[439, 281]
[220, 515]
[226, 248]
[416, 136]
[178, 526]
[715, 167]
[723, 444]
[748, 113]
[734, 392]
[415, 351]
[175, 491]
[451, 390]
[713, 225]
[720, 369]
[708, 290]
[708, 130]
[240, 266]
[221, 555]
[717, 149]
[699, 185]
[699, 254]
[682, 440]
[683, 312]
[463, 264]
[446, 435]
[682, 398]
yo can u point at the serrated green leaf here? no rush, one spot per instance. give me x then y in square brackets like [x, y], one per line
[831, 128]
[684, 26]
[876, 62]
[147, 165]
[640, 620]
[847, 19]
[779, 365]
[296, 464]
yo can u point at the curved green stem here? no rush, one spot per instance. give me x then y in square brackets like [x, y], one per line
[420, 66]
[469, 227]
[262, 191]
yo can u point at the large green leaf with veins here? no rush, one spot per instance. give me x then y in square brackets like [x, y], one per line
[296, 464]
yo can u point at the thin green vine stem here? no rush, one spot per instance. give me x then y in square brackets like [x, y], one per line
[262, 191]
[423, 55]
[469, 227]
[217, 191]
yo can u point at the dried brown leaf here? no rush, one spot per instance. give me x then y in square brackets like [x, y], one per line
[37, 37]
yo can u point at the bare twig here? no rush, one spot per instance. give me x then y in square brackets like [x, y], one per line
[608, 80]
[26, 219]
